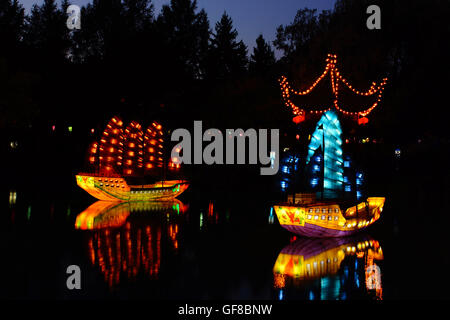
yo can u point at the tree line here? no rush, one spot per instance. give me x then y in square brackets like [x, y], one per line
[128, 59]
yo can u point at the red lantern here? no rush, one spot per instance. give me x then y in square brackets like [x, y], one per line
[298, 119]
[363, 120]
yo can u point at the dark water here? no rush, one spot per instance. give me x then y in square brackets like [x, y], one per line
[199, 248]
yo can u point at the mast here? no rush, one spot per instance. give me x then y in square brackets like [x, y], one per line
[323, 163]
[165, 163]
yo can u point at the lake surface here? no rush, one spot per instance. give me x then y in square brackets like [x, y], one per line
[197, 248]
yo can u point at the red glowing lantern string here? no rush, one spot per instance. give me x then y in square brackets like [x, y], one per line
[336, 77]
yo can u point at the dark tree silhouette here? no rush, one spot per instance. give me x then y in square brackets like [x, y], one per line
[228, 57]
[125, 58]
[263, 57]
[186, 33]
[12, 19]
[103, 25]
[138, 15]
[46, 32]
[295, 37]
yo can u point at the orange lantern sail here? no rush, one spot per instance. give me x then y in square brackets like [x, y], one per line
[110, 147]
[133, 150]
[153, 149]
[130, 152]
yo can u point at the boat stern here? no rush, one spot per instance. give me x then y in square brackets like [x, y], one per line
[376, 202]
[376, 205]
[179, 188]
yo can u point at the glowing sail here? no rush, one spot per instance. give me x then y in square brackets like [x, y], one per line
[153, 148]
[110, 147]
[133, 150]
[129, 151]
[328, 131]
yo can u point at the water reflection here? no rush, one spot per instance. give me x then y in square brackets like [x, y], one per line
[125, 238]
[107, 214]
[12, 197]
[329, 269]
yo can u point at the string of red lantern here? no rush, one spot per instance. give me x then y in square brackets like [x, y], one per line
[335, 77]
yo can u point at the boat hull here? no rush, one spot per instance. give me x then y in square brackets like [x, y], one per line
[116, 189]
[313, 231]
[322, 220]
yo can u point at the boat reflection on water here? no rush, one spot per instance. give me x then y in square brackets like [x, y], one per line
[329, 269]
[124, 238]
[107, 214]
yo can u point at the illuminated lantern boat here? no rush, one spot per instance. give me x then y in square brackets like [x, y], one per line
[114, 189]
[334, 215]
[124, 155]
[329, 219]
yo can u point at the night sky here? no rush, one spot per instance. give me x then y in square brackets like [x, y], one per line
[250, 17]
